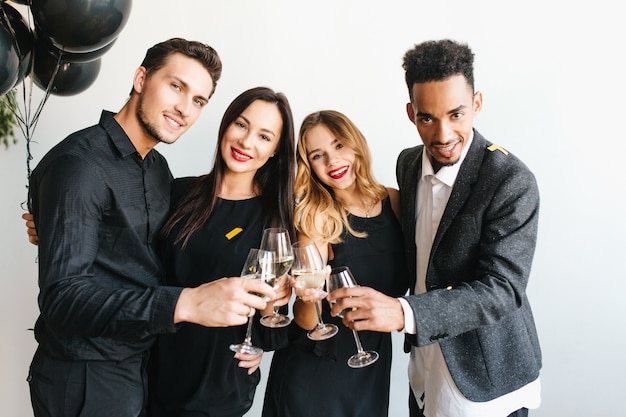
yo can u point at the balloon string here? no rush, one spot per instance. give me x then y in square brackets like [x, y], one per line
[15, 109]
[35, 118]
[31, 123]
[26, 120]
[22, 118]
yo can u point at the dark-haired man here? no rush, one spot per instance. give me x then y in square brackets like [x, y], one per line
[469, 212]
[98, 199]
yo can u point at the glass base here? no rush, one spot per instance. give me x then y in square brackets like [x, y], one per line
[275, 320]
[246, 348]
[323, 332]
[362, 359]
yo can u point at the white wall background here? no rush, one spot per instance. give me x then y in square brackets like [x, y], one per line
[553, 84]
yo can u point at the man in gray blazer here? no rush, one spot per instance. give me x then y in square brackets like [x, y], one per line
[469, 217]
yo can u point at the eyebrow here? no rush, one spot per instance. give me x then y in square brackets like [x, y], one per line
[186, 85]
[335, 140]
[454, 110]
[312, 151]
[262, 129]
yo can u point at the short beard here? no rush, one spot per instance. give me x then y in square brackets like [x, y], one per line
[146, 125]
[438, 165]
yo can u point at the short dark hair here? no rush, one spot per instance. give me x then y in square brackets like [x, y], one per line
[157, 56]
[436, 61]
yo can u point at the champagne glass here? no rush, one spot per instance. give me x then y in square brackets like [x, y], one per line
[277, 240]
[342, 277]
[259, 265]
[309, 271]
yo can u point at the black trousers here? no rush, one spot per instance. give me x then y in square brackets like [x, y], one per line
[415, 411]
[87, 388]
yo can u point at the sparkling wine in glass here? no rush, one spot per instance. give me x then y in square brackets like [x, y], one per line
[277, 240]
[309, 271]
[342, 277]
[259, 265]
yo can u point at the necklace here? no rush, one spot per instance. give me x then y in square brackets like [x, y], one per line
[366, 212]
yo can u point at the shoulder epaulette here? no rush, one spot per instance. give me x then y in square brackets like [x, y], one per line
[499, 148]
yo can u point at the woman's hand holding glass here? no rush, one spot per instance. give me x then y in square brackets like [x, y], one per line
[249, 361]
[310, 273]
[276, 240]
[283, 290]
[309, 295]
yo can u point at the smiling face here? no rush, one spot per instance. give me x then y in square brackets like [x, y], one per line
[444, 113]
[252, 138]
[170, 99]
[330, 160]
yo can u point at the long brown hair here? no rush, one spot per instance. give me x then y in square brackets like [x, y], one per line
[275, 179]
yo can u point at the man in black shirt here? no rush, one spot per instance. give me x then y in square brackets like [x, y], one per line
[99, 199]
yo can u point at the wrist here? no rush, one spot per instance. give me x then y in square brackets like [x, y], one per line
[182, 312]
[407, 323]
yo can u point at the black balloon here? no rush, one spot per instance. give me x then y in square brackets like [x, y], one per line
[24, 38]
[75, 57]
[72, 56]
[79, 26]
[9, 57]
[70, 79]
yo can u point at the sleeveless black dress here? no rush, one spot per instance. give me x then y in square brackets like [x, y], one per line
[313, 379]
[192, 372]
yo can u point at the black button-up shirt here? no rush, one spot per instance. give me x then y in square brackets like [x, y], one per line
[98, 208]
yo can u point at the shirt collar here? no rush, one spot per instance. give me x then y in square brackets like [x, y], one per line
[447, 174]
[118, 136]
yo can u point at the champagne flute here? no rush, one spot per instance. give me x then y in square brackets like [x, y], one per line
[259, 265]
[309, 271]
[277, 240]
[342, 277]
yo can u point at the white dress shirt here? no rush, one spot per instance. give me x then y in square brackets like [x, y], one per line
[428, 372]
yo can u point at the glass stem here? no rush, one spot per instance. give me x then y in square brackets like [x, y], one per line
[248, 340]
[275, 307]
[359, 348]
[320, 323]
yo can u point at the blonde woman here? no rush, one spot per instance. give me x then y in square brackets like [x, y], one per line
[353, 220]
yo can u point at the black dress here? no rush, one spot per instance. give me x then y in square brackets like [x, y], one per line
[312, 379]
[192, 372]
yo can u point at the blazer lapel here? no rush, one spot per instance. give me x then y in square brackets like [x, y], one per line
[467, 177]
[414, 172]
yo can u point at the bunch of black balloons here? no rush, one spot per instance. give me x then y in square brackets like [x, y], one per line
[61, 48]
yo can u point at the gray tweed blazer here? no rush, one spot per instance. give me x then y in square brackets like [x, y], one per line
[475, 306]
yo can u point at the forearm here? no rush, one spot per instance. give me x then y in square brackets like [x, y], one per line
[77, 306]
[305, 314]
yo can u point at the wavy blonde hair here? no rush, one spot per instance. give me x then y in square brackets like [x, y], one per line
[318, 215]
